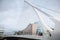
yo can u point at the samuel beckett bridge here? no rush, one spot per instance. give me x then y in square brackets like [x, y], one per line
[30, 33]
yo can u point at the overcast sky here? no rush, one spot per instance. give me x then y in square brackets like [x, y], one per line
[16, 14]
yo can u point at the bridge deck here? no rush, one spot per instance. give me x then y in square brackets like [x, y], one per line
[24, 36]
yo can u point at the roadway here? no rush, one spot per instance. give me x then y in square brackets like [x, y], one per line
[31, 37]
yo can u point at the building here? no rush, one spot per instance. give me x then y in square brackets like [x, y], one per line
[1, 30]
[31, 29]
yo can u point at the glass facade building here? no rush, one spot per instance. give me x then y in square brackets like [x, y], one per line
[39, 27]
